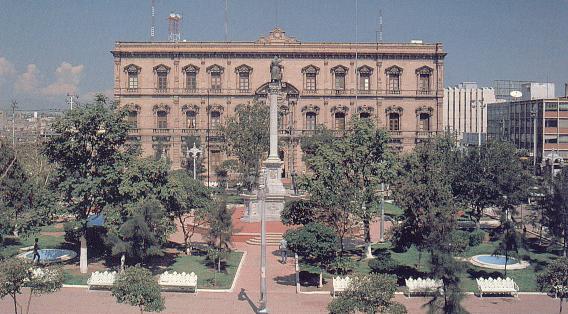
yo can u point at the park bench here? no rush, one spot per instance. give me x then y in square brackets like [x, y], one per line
[101, 280]
[178, 281]
[423, 286]
[340, 284]
[497, 286]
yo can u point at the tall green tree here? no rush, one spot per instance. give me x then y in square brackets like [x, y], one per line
[555, 211]
[247, 138]
[87, 148]
[509, 241]
[220, 231]
[346, 173]
[25, 203]
[137, 287]
[189, 201]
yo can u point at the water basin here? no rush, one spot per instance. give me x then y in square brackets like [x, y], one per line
[497, 262]
[50, 255]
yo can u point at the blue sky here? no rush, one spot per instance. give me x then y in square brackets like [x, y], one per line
[51, 47]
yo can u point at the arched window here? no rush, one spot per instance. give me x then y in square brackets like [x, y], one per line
[191, 117]
[339, 73]
[394, 121]
[162, 119]
[311, 120]
[424, 123]
[215, 121]
[339, 121]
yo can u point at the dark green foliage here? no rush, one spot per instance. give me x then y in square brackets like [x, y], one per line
[14, 273]
[476, 237]
[317, 244]
[299, 212]
[25, 203]
[247, 138]
[371, 293]
[220, 232]
[509, 241]
[555, 205]
[143, 232]
[448, 269]
[460, 241]
[383, 263]
[136, 286]
[554, 278]
[342, 265]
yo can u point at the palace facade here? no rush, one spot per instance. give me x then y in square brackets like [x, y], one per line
[178, 93]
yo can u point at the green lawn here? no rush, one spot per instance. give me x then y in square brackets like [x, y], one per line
[11, 246]
[392, 210]
[205, 274]
[75, 279]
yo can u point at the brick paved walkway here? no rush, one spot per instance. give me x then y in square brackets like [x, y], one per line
[282, 297]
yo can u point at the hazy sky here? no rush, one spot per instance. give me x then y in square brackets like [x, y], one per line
[51, 47]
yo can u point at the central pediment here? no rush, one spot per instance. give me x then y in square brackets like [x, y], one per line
[277, 36]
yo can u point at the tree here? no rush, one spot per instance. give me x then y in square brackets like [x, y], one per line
[14, 273]
[316, 243]
[87, 149]
[299, 212]
[247, 138]
[448, 269]
[220, 231]
[488, 173]
[44, 280]
[346, 173]
[143, 233]
[136, 286]
[423, 190]
[370, 293]
[555, 278]
[189, 201]
[556, 209]
[509, 241]
[25, 203]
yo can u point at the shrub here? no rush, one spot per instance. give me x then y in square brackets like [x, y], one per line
[383, 263]
[342, 265]
[460, 241]
[72, 232]
[476, 237]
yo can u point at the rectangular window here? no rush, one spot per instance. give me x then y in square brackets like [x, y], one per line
[550, 139]
[550, 123]
[340, 81]
[551, 106]
[216, 81]
[162, 120]
[365, 82]
[215, 119]
[563, 123]
[191, 119]
[311, 81]
[424, 122]
[132, 80]
[132, 119]
[394, 84]
[311, 121]
[215, 158]
[243, 81]
[394, 122]
[563, 139]
[162, 81]
[563, 106]
[340, 121]
[191, 80]
[424, 83]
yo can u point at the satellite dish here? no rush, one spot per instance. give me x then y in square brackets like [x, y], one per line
[516, 94]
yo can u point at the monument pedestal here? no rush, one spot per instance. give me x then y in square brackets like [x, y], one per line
[275, 194]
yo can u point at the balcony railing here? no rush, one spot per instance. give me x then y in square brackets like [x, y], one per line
[161, 131]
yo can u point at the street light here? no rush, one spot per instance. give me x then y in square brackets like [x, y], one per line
[193, 151]
[262, 204]
[478, 105]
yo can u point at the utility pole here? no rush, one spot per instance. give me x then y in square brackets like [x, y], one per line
[263, 308]
[14, 106]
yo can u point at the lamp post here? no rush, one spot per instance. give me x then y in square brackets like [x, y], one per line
[193, 152]
[478, 105]
[533, 117]
[262, 204]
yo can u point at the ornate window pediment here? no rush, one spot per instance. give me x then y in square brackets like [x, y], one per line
[393, 70]
[365, 69]
[424, 109]
[161, 68]
[310, 69]
[186, 108]
[215, 108]
[339, 109]
[133, 107]
[394, 109]
[311, 108]
[132, 68]
[161, 107]
[190, 68]
[339, 69]
[215, 68]
[243, 68]
[424, 70]
[366, 109]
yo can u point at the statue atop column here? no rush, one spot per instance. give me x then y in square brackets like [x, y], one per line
[276, 70]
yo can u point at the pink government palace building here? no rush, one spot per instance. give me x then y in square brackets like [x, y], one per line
[179, 93]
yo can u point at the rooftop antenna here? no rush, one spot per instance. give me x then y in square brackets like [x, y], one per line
[71, 100]
[276, 15]
[226, 20]
[380, 34]
[174, 27]
[153, 27]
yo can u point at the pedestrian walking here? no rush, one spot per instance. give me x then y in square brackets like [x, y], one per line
[36, 250]
[283, 251]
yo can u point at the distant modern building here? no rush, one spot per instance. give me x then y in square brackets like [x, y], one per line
[515, 121]
[180, 92]
[503, 88]
[537, 91]
[465, 111]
